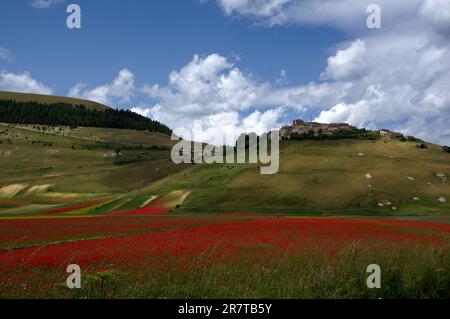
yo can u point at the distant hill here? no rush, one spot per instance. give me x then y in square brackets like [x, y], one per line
[128, 156]
[57, 111]
[383, 177]
[49, 99]
[348, 176]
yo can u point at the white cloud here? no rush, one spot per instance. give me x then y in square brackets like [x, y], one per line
[219, 128]
[22, 83]
[257, 8]
[212, 84]
[348, 63]
[343, 14]
[206, 86]
[142, 111]
[44, 4]
[218, 93]
[121, 90]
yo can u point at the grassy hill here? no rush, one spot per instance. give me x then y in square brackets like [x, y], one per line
[41, 170]
[49, 99]
[43, 164]
[383, 177]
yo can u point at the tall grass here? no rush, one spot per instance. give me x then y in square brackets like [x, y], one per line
[407, 272]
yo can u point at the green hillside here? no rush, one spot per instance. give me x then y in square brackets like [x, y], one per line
[42, 164]
[49, 99]
[383, 177]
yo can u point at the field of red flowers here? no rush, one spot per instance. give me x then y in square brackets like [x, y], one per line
[158, 208]
[16, 233]
[261, 237]
[124, 242]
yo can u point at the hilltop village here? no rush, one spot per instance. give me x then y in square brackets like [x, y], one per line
[300, 127]
[313, 130]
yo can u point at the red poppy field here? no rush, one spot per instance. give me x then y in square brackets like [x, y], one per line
[146, 254]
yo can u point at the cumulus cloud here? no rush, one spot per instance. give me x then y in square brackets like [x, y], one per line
[221, 128]
[121, 90]
[347, 64]
[212, 84]
[44, 4]
[22, 83]
[206, 86]
[213, 90]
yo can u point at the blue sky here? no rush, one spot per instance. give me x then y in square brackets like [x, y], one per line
[152, 38]
[239, 65]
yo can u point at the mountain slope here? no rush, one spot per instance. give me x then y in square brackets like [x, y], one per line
[49, 99]
[383, 177]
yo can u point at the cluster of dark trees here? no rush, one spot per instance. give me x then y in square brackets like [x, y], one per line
[446, 149]
[361, 134]
[65, 114]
